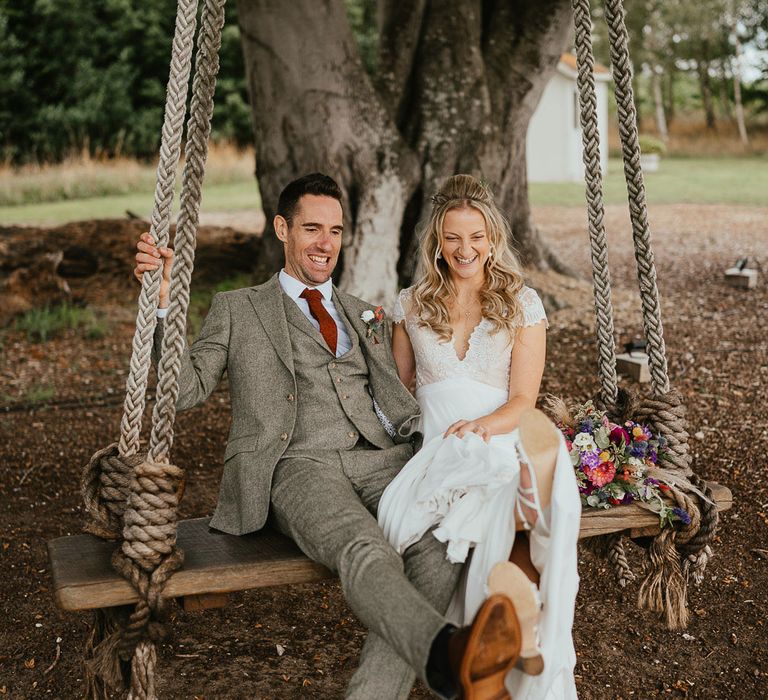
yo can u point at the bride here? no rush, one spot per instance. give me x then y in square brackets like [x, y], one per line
[471, 338]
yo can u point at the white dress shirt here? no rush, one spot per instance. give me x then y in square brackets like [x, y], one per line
[293, 288]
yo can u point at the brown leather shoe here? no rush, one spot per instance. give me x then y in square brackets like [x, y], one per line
[481, 655]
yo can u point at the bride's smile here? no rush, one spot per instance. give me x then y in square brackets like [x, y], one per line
[465, 246]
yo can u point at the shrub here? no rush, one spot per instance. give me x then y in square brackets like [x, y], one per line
[42, 324]
[650, 144]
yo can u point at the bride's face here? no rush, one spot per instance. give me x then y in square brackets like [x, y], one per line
[464, 245]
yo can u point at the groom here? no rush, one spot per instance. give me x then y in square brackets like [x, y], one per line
[320, 425]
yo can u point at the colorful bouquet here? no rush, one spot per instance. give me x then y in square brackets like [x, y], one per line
[612, 462]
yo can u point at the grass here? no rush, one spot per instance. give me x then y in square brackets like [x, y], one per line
[711, 180]
[40, 393]
[738, 181]
[40, 325]
[226, 197]
[84, 178]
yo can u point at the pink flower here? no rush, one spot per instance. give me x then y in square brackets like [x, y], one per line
[602, 474]
[619, 435]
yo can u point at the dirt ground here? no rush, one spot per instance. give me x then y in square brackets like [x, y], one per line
[717, 340]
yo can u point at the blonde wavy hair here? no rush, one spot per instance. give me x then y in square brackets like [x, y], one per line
[503, 275]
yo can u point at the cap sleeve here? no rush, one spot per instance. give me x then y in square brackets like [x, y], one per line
[532, 308]
[402, 303]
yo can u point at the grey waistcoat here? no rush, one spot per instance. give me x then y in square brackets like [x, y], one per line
[334, 404]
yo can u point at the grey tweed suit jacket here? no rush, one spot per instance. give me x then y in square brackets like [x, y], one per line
[246, 335]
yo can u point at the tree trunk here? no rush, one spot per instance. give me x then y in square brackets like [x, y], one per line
[481, 73]
[739, 106]
[457, 84]
[702, 70]
[725, 100]
[315, 109]
[669, 96]
[658, 101]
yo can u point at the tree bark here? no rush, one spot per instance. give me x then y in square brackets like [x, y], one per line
[658, 102]
[669, 95]
[702, 70]
[314, 108]
[739, 106]
[482, 68]
[457, 84]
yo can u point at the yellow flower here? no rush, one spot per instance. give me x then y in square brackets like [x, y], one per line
[637, 431]
[605, 456]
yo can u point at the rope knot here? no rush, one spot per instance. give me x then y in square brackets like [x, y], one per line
[105, 486]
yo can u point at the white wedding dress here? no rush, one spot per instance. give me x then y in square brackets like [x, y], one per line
[468, 488]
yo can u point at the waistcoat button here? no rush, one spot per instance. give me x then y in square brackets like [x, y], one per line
[352, 434]
[332, 365]
[284, 436]
[289, 397]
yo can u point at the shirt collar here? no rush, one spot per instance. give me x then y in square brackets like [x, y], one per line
[293, 287]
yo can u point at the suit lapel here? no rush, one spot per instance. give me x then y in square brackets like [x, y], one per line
[267, 301]
[351, 309]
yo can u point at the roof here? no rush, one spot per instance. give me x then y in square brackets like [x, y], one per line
[567, 66]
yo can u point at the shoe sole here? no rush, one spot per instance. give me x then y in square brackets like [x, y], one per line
[510, 580]
[541, 443]
[490, 628]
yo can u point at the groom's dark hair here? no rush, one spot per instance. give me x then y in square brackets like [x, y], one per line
[314, 183]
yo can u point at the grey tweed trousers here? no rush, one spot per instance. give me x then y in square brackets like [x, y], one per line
[326, 502]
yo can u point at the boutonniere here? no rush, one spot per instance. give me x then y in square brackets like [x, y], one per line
[373, 320]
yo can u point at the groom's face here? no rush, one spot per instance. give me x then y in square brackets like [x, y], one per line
[312, 240]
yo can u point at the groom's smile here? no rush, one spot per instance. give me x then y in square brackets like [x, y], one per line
[312, 239]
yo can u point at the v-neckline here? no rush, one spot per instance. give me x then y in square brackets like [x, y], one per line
[460, 360]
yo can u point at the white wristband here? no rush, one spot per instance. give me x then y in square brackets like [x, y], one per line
[162, 313]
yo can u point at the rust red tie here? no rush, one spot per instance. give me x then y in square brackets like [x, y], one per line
[328, 327]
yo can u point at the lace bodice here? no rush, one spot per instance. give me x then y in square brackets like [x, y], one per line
[488, 357]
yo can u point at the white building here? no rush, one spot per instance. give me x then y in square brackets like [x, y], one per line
[554, 133]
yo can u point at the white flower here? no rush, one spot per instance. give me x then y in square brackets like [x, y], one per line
[367, 316]
[585, 443]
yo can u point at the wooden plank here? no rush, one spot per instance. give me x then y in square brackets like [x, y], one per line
[596, 521]
[216, 563]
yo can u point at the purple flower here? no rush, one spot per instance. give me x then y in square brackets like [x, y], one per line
[590, 459]
[628, 498]
[587, 426]
[638, 449]
[682, 515]
[588, 488]
[653, 455]
[653, 482]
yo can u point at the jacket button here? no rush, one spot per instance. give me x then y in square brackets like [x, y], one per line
[332, 365]
[352, 434]
[284, 436]
[289, 397]
[346, 396]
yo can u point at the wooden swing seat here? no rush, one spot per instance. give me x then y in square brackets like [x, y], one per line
[217, 564]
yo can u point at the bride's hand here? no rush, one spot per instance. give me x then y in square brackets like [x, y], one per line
[461, 427]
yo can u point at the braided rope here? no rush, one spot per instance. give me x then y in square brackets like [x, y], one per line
[638, 211]
[120, 488]
[596, 209]
[149, 555]
[170, 149]
[617, 558]
[196, 152]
